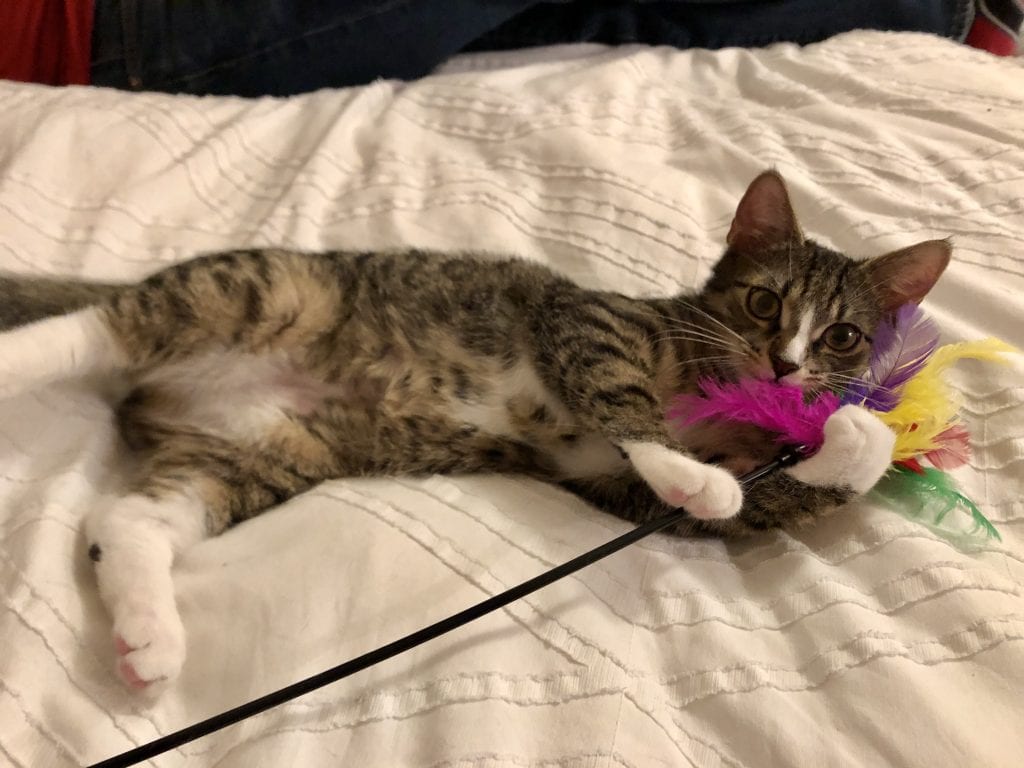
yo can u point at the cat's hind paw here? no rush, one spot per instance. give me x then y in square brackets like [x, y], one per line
[150, 649]
[705, 491]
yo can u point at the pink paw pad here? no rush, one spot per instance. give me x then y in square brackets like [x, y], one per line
[130, 676]
[677, 498]
[122, 648]
[128, 673]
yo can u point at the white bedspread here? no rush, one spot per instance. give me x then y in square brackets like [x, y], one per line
[865, 640]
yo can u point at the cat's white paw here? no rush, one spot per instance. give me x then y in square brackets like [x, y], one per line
[707, 492]
[856, 453]
[150, 645]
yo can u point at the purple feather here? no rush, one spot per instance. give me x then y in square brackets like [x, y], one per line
[774, 407]
[900, 349]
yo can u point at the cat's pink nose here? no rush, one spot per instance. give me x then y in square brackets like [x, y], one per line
[783, 367]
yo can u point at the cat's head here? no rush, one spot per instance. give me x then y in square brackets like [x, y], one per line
[796, 311]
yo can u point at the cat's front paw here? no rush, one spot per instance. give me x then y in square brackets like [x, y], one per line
[150, 645]
[707, 492]
[856, 453]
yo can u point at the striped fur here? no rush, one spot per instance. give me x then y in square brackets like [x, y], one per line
[257, 374]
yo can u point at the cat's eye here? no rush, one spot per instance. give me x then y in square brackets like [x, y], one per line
[842, 337]
[763, 304]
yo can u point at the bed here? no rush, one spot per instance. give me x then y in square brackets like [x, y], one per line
[867, 639]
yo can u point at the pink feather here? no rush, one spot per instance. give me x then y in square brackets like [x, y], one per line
[766, 404]
[953, 448]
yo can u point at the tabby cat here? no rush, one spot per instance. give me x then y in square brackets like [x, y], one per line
[252, 376]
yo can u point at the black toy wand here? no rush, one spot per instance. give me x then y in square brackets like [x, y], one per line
[205, 727]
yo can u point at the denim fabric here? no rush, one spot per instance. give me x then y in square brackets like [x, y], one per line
[722, 23]
[281, 47]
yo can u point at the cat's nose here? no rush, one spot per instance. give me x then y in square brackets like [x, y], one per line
[782, 367]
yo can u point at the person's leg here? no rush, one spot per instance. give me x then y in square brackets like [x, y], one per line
[721, 23]
[281, 47]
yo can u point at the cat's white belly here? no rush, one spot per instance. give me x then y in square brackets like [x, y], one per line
[235, 395]
[242, 397]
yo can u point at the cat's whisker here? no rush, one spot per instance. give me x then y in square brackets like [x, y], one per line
[715, 320]
[683, 361]
[855, 380]
[680, 323]
[842, 377]
[703, 359]
[677, 367]
[687, 326]
[715, 348]
[695, 360]
[704, 343]
[687, 330]
[844, 374]
[663, 316]
[690, 336]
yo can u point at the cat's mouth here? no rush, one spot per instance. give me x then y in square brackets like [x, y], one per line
[810, 381]
[761, 368]
[755, 366]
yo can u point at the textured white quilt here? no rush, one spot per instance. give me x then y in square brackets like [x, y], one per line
[865, 640]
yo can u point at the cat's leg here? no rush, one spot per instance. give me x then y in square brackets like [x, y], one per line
[856, 453]
[133, 541]
[78, 344]
[192, 485]
[607, 383]
[629, 496]
[189, 486]
[679, 479]
[251, 301]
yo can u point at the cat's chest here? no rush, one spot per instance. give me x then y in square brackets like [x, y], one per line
[739, 448]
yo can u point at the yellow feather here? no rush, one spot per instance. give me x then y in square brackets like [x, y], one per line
[927, 405]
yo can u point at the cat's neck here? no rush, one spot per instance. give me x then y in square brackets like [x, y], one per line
[686, 344]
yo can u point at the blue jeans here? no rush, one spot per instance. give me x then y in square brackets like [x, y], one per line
[282, 47]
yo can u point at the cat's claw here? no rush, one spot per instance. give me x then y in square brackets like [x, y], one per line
[707, 492]
[856, 453]
[150, 649]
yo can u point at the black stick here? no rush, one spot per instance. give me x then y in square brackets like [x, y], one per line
[289, 692]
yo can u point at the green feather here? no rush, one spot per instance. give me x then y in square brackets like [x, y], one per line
[931, 495]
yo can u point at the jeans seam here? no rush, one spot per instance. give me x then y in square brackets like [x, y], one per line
[963, 21]
[378, 11]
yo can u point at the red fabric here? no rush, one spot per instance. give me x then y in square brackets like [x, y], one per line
[46, 41]
[987, 36]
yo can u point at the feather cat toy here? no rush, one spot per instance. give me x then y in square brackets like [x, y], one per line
[903, 386]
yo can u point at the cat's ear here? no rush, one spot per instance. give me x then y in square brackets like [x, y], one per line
[908, 274]
[764, 216]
